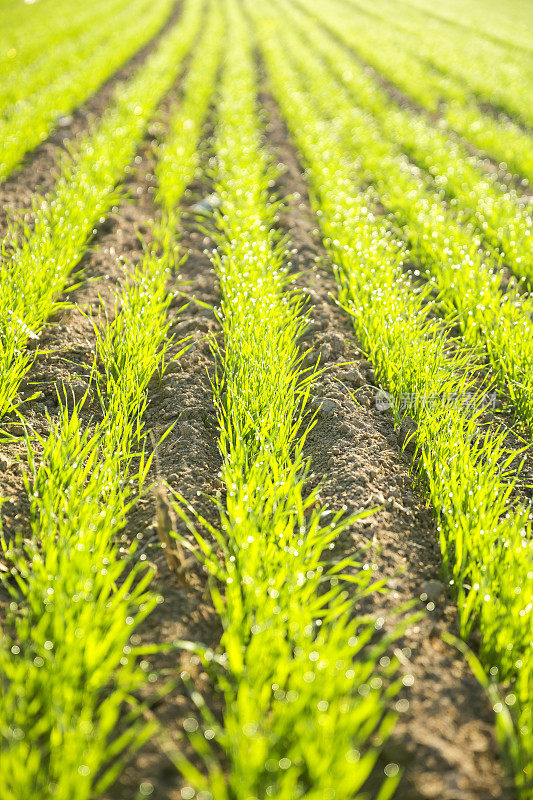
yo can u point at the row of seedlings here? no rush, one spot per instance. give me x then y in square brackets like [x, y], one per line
[490, 312]
[304, 704]
[25, 29]
[179, 157]
[485, 538]
[502, 218]
[381, 47]
[503, 25]
[38, 259]
[78, 68]
[69, 673]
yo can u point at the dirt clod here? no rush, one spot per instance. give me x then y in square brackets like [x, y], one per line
[407, 435]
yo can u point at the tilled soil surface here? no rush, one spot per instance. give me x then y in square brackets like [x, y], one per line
[444, 739]
[189, 461]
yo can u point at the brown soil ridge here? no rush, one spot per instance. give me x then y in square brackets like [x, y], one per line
[188, 460]
[444, 739]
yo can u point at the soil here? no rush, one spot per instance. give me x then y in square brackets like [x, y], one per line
[188, 461]
[444, 739]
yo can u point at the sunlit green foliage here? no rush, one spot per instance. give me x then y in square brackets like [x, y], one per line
[27, 63]
[40, 257]
[502, 217]
[48, 89]
[384, 48]
[445, 248]
[66, 666]
[178, 157]
[485, 538]
[304, 699]
[499, 74]
[509, 24]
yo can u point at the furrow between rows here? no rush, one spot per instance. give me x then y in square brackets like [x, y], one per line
[357, 460]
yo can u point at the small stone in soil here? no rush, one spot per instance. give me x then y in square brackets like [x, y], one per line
[432, 591]
[326, 407]
[207, 205]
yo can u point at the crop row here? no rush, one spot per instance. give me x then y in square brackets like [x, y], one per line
[72, 73]
[470, 286]
[39, 258]
[498, 24]
[69, 673]
[498, 214]
[376, 42]
[498, 75]
[178, 157]
[485, 537]
[302, 696]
